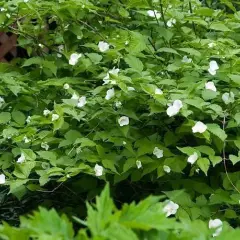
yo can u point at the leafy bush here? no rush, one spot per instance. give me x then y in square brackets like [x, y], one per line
[137, 90]
[145, 220]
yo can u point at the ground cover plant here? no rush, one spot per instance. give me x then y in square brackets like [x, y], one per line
[141, 94]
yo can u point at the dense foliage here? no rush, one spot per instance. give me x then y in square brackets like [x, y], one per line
[144, 220]
[134, 92]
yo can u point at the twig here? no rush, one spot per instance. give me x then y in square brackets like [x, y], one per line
[51, 191]
[224, 156]
[193, 24]
[162, 13]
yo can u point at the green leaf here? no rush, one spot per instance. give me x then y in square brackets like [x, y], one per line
[219, 26]
[24, 169]
[215, 160]
[18, 117]
[234, 159]
[237, 118]
[205, 149]
[47, 155]
[48, 223]
[217, 131]
[117, 231]
[168, 50]
[100, 214]
[235, 78]
[134, 62]
[29, 154]
[5, 117]
[203, 164]
[191, 51]
[137, 43]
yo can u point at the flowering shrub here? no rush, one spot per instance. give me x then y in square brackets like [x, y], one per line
[133, 90]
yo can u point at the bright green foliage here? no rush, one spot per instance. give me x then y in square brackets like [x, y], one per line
[144, 220]
[114, 83]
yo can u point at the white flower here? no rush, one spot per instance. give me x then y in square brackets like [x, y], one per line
[118, 104]
[174, 108]
[28, 120]
[26, 140]
[185, 59]
[126, 43]
[2, 101]
[170, 208]
[46, 112]
[139, 164]
[74, 58]
[158, 152]
[124, 143]
[166, 169]
[215, 224]
[213, 67]
[2, 179]
[103, 46]
[123, 121]
[199, 127]
[40, 45]
[171, 22]
[55, 117]
[131, 89]
[66, 86]
[197, 170]
[98, 170]
[81, 101]
[153, 13]
[210, 86]
[114, 72]
[110, 94]
[2, 9]
[21, 159]
[193, 158]
[75, 96]
[45, 146]
[8, 15]
[228, 97]
[60, 49]
[158, 91]
[211, 45]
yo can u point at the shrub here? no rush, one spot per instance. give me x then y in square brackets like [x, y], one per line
[140, 90]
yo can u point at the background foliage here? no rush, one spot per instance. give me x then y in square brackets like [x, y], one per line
[150, 60]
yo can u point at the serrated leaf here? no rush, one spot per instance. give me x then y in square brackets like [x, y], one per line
[134, 62]
[203, 164]
[217, 131]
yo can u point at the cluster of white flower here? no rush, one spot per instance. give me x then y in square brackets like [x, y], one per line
[193, 158]
[21, 159]
[110, 94]
[81, 101]
[216, 224]
[171, 22]
[185, 59]
[107, 79]
[154, 14]
[74, 58]
[170, 208]
[174, 108]
[103, 46]
[213, 67]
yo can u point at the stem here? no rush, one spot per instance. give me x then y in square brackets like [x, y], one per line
[193, 24]
[162, 13]
[224, 156]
